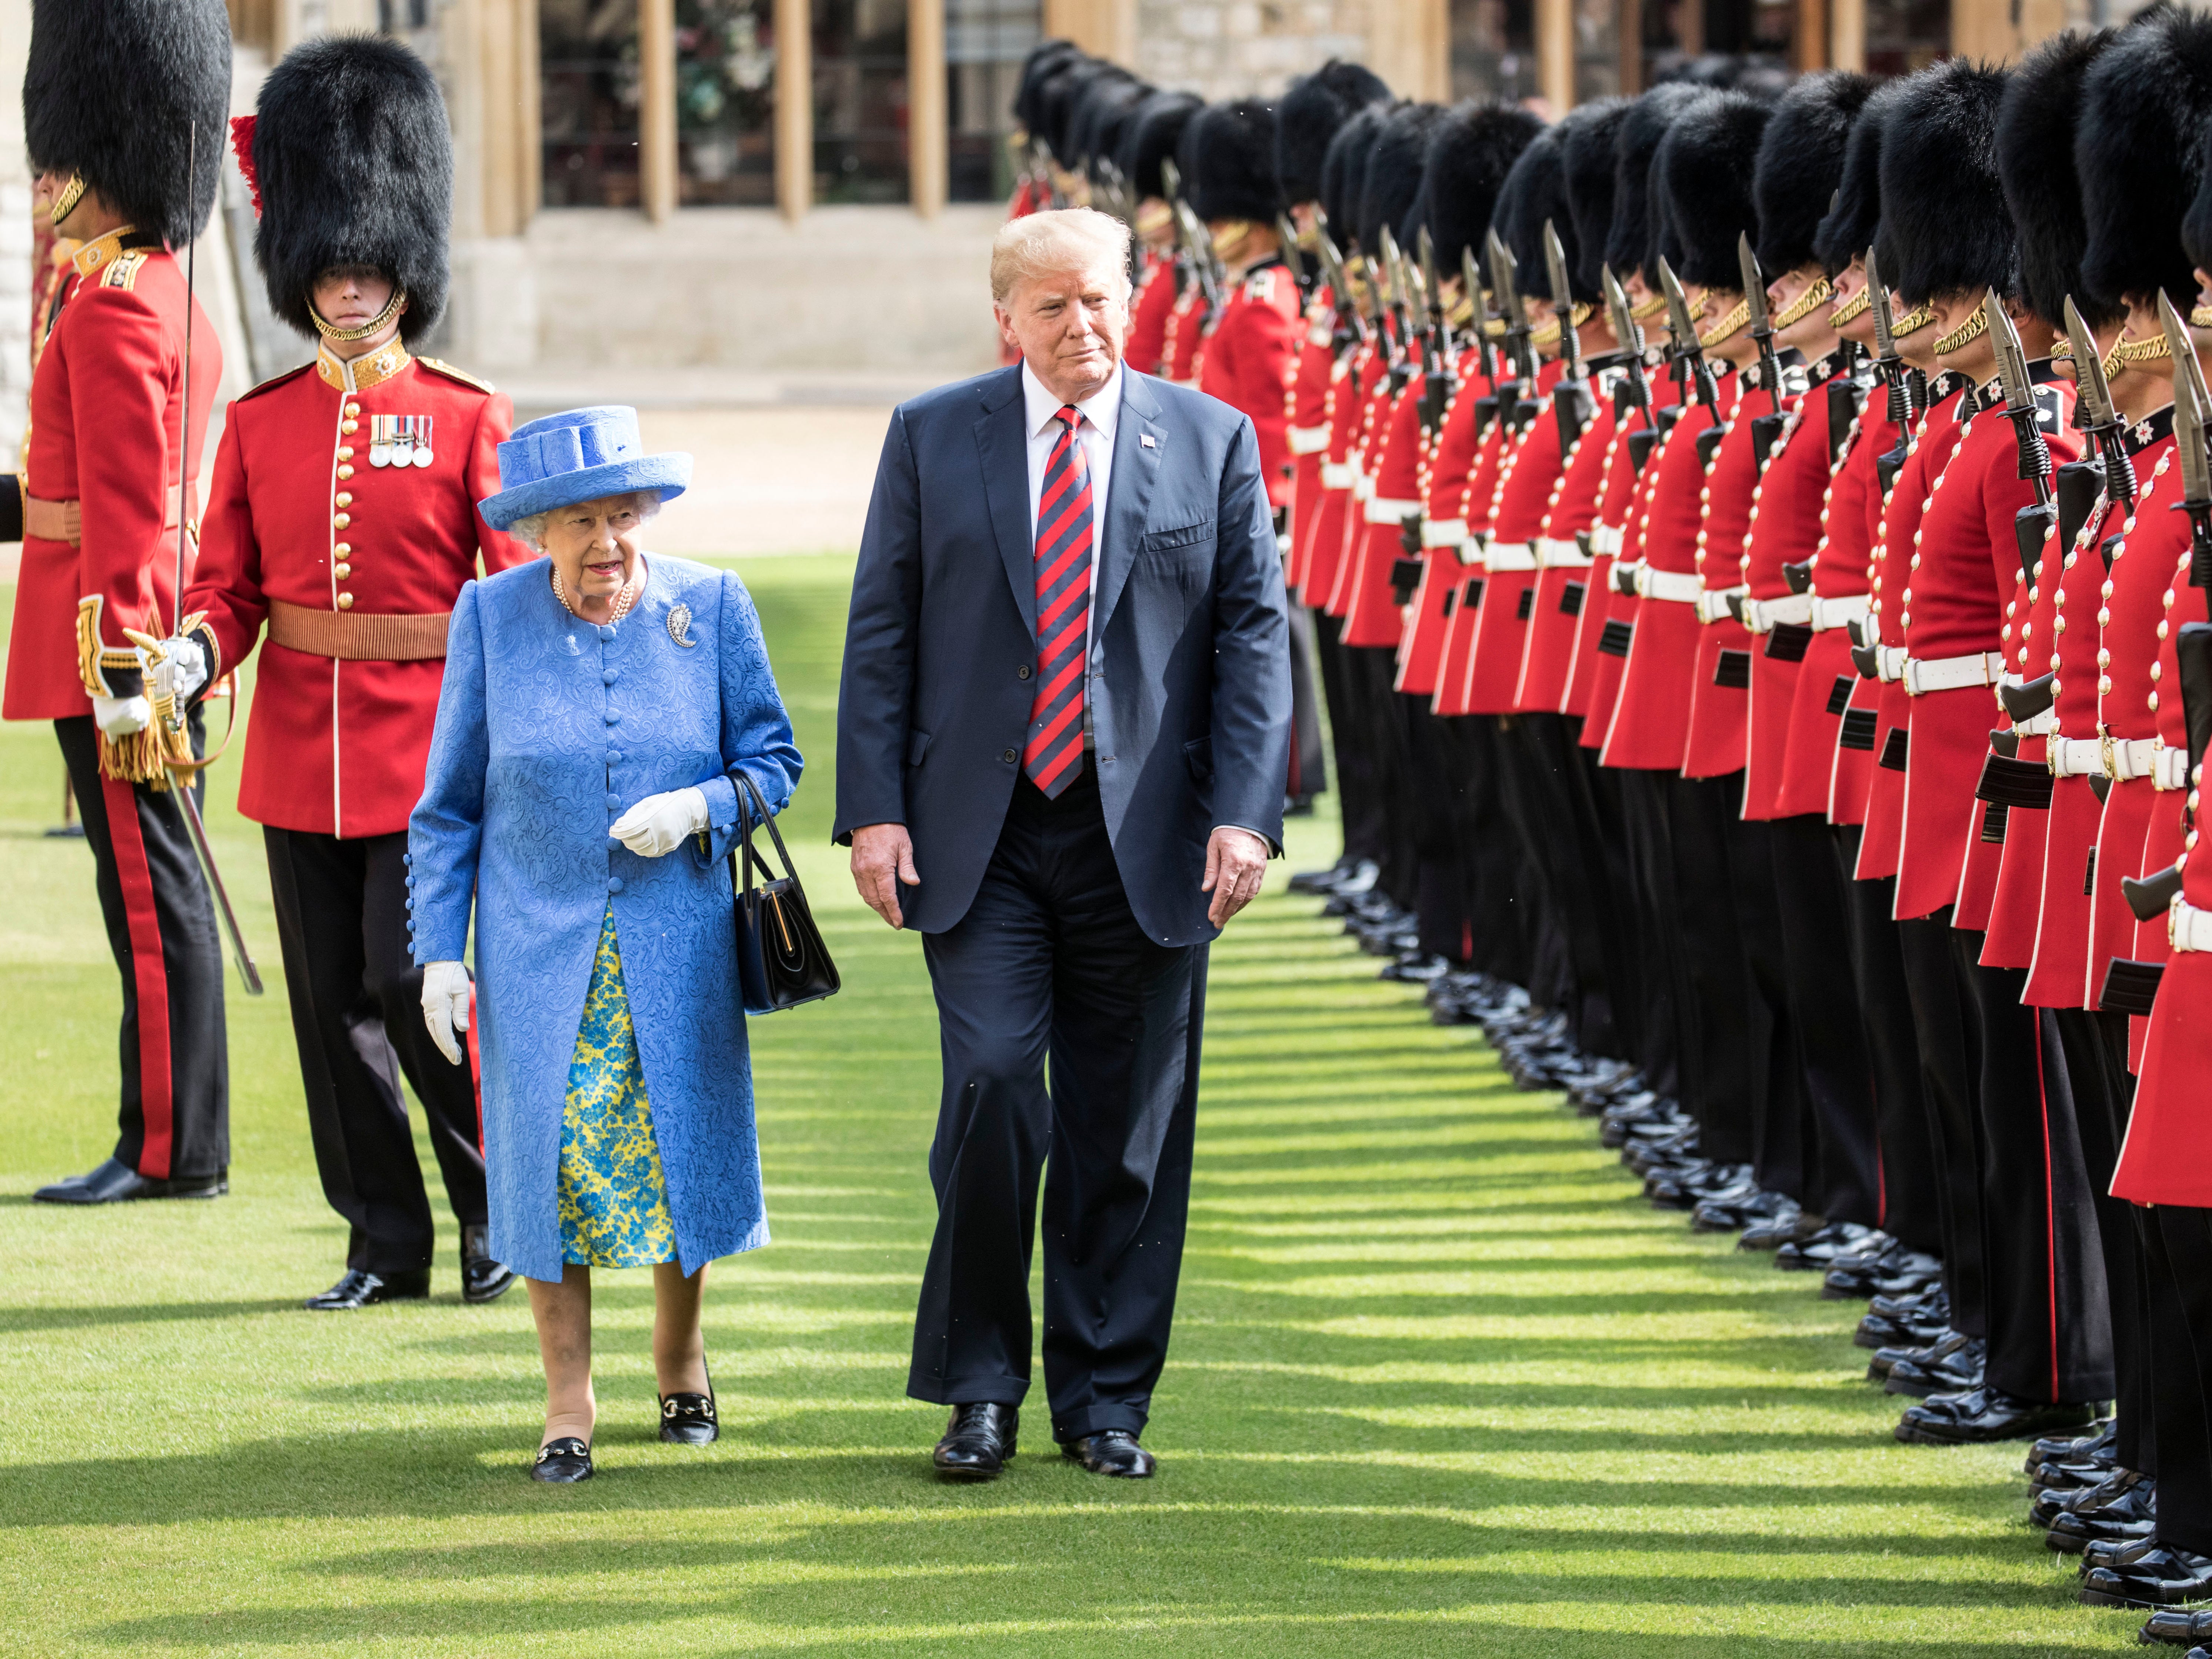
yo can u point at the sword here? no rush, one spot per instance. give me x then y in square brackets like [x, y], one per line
[2035, 524]
[2191, 404]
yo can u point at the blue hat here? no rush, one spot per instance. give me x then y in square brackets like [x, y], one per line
[578, 455]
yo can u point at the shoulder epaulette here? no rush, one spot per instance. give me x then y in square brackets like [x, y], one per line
[1260, 286]
[123, 273]
[452, 373]
[273, 382]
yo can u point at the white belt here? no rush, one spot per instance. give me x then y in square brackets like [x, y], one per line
[2042, 725]
[1712, 604]
[1760, 616]
[2187, 927]
[1443, 532]
[1389, 509]
[1308, 440]
[1336, 475]
[1836, 613]
[1889, 662]
[2075, 757]
[1320, 334]
[1676, 586]
[1362, 486]
[1511, 556]
[1554, 554]
[2169, 769]
[2128, 758]
[1606, 538]
[1922, 674]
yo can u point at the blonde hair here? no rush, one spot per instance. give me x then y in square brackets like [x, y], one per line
[1058, 240]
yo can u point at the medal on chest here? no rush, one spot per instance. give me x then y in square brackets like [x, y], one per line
[399, 440]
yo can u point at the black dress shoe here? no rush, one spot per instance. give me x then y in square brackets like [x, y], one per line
[2047, 1504]
[2095, 1447]
[687, 1419]
[1878, 1332]
[1887, 1359]
[2176, 1629]
[1112, 1451]
[563, 1462]
[359, 1290]
[2073, 1477]
[1949, 1367]
[116, 1182]
[2128, 1516]
[1984, 1414]
[482, 1279]
[979, 1441]
[1818, 1252]
[2160, 1576]
[1934, 1302]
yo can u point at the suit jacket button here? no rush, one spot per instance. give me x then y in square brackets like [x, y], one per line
[1009, 756]
[1022, 672]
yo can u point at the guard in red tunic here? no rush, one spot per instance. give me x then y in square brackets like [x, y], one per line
[113, 94]
[1148, 138]
[341, 525]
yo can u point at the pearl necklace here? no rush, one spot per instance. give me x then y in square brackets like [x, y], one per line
[623, 599]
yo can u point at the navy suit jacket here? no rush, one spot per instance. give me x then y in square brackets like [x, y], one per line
[1190, 698]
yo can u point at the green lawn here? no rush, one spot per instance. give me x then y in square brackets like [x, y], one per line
[1442, 1383]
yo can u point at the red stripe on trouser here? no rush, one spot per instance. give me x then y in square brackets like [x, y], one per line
[2050, 1214]
[150, 972]
[476, 1066]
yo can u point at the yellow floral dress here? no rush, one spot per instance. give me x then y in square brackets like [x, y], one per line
[614, 1201]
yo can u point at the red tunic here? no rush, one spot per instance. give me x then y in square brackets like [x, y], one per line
[1594, 678]
[106, 406]
[1372, 401]
[335, 746]
[1250, 360]
[1186, 337]
[2164, 841]
[1567, 583]
[1479, 500]
[1527, 474]
[1720, 677]
[1325, 549]
[1393, 466]
[1148, 316]
[1306, 413]
[1444, 571]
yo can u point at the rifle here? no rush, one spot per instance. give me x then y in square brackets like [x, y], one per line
[1436, 393]
[1293, 256]
[1766, 429]
[2080, 483]
[1471, 279]
[1686, 347]
[1630, 333]
[2036, 524]
[1519, 365]
[2192, 404]
[1889, 369]
[1570, 399]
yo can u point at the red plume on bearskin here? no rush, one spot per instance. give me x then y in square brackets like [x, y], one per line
[242, 144]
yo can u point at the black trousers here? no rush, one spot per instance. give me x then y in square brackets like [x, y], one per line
[1605, 865]
[1532, 878]
[1912, 1186]
[174, 1113]
[357, 1017]
[1718, 1062]
[1438, 900]
[1050, 968]
[1559, 824]
[1784, 1144]
[1824, 1006]
[1489, 857]
[1309, 774]
[1950, 1065]
[1651, 859]
[1358, 798]
[2177, 1243]
[2096, 1049]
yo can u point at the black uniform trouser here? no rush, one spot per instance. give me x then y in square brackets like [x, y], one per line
[1533, 839]
[2050, 1330]
[1650, 860]
[1438, 900]
[1559, 821]
[1309, 774]
[1824, 1007]
[1783, 1143]
[2177, 1240]
[1950, 1065]
[1359, 798]
[1489, 856]
[2096, 1048]
[1717, 1060]
[1912, 1185]
[1050, 966]
[1628, 979]
[357, 1017]
[174, 1112]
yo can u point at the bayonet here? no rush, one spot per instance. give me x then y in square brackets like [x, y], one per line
[2035, 524]
[1504, 281]
[1471, 279]
[1686, 339]
[1762, 326]
[2094, 416]
[1437, 391]
[1562, 301]
[1294, 257]
[1630, 333]
[2191, 405]
[1888, 365]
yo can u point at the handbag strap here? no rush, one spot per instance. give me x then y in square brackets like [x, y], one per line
[750, 803]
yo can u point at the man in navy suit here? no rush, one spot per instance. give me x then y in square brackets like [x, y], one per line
[1062, 736]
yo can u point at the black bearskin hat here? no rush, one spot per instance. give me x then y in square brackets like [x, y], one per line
[1534, 190]
[1343, 170]
[1630, 241]
[1045, 60]
[1471, 152]
[1800, 164]
[1232, 172]
[2196, 223]
[1853, 222]
[1704, 166]
[1150, 137]
[1393, 170]
[1099, 110]
[116, 89]
[1942, 207]
[1056, 99]
[1763, 78]
[1588, 137]
[2143, 103]
[355, 165]
[1309, 117]
[2036, 127]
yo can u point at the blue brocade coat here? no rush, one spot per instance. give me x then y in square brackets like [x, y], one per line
[549, 729]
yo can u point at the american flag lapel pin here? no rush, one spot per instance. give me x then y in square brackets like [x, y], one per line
[1146, 439]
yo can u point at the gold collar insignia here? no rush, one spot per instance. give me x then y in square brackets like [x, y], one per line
[101, 251]
[361, 372]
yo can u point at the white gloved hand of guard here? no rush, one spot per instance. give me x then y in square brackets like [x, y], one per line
[658, 824]
[121, 717]
[446, 1005]
[181, 672]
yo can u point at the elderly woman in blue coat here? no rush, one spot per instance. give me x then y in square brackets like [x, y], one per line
[598, 707]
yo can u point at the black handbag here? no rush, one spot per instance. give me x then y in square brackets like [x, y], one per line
[781, 961]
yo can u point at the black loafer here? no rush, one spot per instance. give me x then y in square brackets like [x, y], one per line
[1112, 1451]
[687, 1419]
[2161, 1577]
[979, 1442]
[483, 1279]
[359, 1290]
[1982, 1415]
[563, 1462]
[116, 1182]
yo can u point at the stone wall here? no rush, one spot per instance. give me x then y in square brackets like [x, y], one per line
[1229, 48]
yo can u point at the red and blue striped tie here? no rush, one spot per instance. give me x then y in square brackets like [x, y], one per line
[1054, 752]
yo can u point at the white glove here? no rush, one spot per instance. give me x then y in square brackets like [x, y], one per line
[121, 717]
[659, 823]
[181, 672]
[446, 1005]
